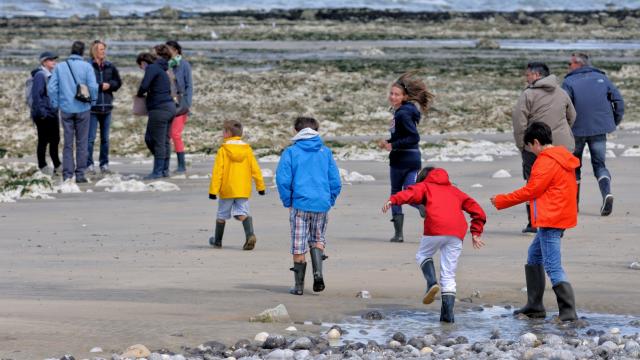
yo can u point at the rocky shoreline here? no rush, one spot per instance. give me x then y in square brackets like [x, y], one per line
[570, 345]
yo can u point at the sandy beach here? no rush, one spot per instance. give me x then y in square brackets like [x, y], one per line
[114, 269]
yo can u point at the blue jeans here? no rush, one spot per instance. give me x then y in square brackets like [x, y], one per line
[597, 149]
[104, 119]
[400, 180]
[545, 250]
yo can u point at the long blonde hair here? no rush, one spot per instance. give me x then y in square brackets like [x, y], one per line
[94, 47]
[415, 89]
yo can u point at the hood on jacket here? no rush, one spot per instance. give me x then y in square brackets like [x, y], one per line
[438, 176]
[47, 73]
[411, 109]
[584, 69]
[236, 149]
[164, 64]
[562, 156]
[547, 83]
[308, 139]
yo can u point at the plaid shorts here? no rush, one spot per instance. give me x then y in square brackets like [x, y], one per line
[307, 227]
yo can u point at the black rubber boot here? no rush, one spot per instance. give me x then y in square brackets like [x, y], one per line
[535, 291]
[529, 228]
[250, 237]
[446, 312]
[398, 221]
[429, 272]
[317, 257]
[566, 301]
[607, 199]
[181, 164]
[299, 270]
[216, 240]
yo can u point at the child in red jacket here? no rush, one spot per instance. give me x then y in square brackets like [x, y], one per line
[444, 228]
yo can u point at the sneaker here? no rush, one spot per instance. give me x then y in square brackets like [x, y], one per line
[81, 180]
[46, 170]
[607, 205]
[91, 169]
[104, 169]
[57, 170]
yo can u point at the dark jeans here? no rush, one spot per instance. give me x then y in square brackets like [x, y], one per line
[75, 126]
[104, 120]
[597, 149]
[545, 250]
[528, 158]
[157, 134]
[48, 134]
[400, 180]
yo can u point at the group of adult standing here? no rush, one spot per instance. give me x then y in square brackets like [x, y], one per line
[80, 93]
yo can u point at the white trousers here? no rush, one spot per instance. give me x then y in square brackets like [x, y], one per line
[450, 249]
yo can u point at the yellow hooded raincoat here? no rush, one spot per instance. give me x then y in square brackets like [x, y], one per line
[232, 172]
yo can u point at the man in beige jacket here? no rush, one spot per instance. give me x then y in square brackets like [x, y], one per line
[545, 101]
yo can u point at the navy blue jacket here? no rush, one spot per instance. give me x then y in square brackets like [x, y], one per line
[156, 85]
[598, 103]
[405, 153]
[41, 107]
[107, 74]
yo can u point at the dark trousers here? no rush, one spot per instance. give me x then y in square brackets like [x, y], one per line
[48, 134]
[400, 180]
[528, 158]
[157, 134]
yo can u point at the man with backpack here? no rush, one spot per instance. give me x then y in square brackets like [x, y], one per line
[74, 89]
[43, 114]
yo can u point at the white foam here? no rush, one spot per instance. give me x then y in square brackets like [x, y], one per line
[476, 186]
[354, 176]
[269, 159]
[501, 174]
[267, 173]
[109, 180]
[127, 186]
[162, 186]
[631, 152]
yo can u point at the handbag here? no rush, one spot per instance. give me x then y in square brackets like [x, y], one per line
[82, 90]
[180, 101]
[139, 106]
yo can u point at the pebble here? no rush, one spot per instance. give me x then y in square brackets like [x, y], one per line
[364, 294]
[280, 354]
[373, 315]
[291, 328]
[429, 340]
[614, 330]
[302, 355]
[394, 344]
[96, 350]
[528, 339]
[426, 350]
[274, 341]
[261, 337]
[553, 340]
[333, 334]
[302, 343]
[635, 265]
[399, 337]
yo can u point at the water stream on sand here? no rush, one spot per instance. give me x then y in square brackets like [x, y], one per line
[479, 324]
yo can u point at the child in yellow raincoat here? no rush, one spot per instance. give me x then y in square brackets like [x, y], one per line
[233, 170]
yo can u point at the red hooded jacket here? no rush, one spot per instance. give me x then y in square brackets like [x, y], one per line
[551, 189]
[444, 204]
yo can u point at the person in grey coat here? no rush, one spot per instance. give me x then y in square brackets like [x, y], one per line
[600, 108]
[181, 70]
[542, 101]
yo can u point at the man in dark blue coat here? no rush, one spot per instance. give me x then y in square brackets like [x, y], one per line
[600, 108]
[44, 115]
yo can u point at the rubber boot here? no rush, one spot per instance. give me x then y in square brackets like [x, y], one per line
[250, 237]
[216, 240]
[156, 173]
[299, 270]
[446, 312]
[529, 228]
[607, 199]
[566, 301]
[429, 272]
[535, 291]
[398, 221]
[181, 164]
[165, 168]
[317, 257]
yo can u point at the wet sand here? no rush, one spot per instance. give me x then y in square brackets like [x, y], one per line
[115, 269]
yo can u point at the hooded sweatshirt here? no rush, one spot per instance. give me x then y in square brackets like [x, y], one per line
[405, 153]
[307, 176]
[233, 170]
[544, 101]
[444, 204]
[41, 107]
[598, 102]
[551, 189]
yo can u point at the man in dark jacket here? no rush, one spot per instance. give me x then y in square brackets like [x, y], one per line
[44, 115]
[108, 80]
[600, 108]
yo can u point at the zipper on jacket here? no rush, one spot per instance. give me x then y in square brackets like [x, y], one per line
[102, 91]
